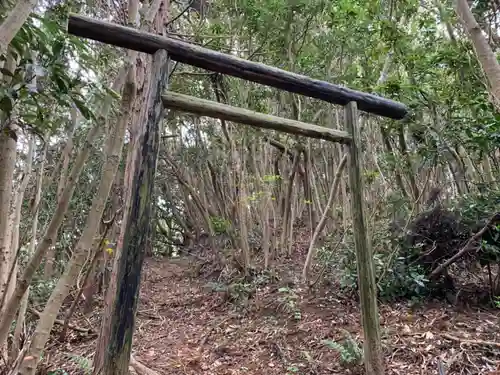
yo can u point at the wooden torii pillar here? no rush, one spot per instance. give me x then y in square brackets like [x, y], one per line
[138, 227]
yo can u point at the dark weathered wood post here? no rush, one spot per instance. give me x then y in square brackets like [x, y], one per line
[136, 241]
[366, 271]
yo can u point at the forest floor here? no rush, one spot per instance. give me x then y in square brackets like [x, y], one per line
[184, 327]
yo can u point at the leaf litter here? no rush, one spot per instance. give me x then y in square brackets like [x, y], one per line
[185, 328]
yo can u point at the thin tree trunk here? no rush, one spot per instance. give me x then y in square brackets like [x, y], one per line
[291, 221]
[487, 170]
[288, 203]
[100, 247]
[8, 154]
[485, 54]
[14, 21]
[50, 234]
[408, 164]
[113, 152]
[66, 156]
[322, 221]
[34, 231]
[242, 213]
[15, 233]
[264, 202]
[390, 151]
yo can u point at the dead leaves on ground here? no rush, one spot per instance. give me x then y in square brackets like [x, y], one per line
[184, 329]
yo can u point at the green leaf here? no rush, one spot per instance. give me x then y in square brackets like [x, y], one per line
[57, 47]
[84, 110]
[7, 104]
[113, 93]
[6, 72]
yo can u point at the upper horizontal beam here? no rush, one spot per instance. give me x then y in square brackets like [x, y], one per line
[205, 58]
[212, 109]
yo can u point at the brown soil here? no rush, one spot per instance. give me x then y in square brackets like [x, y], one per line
[184, 327]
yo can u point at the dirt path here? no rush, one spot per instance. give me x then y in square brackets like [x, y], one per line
[184, 327]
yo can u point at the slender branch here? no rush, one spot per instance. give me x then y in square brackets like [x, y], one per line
[468, 246]
[180, 14]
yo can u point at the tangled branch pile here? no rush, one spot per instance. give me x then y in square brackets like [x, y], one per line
[441, 238]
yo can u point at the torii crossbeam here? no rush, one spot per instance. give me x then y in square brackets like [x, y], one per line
[130, 38]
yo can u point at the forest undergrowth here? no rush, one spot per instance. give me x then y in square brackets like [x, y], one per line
[184, 328]
[247, 229]
[198, 316]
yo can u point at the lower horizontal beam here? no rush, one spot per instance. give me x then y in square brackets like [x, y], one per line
[212, 109]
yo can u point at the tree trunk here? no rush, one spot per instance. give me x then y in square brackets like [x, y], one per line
[8, 313]
[15, 233]
[408, 164]
[14, 21]
[12, 304]
[243, 210]
[113, 152]
[8, 154]
[484, 53]
[322, 221]
[66, 156]
[288, 203]
[34, 231]
[396, 171]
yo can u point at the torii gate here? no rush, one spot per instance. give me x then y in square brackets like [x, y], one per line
[138, 224]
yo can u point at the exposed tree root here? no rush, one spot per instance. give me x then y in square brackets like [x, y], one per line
[140, 368]
[471, 342]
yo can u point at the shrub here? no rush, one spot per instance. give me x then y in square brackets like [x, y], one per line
[220, 225]
[396, 278]
[404, 260]
[289, 300]
[350, 351]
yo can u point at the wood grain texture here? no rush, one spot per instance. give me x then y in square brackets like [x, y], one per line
[364, 256]
[212, 109]
[205, 58]
[137, 241]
